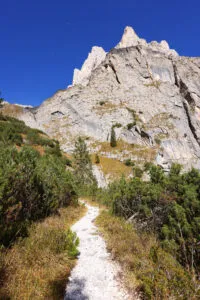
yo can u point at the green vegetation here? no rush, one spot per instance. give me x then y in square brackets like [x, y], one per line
[113, 141]
[129, 162]
[35, 257]
[154, 83]
[146, 266]
[130, 125]
[135, 116]
[158, 141]
[15, 132]
[152, 229]
[102, 103]
[82, 165]
[31, 187]
[1, 100]
[37, 267]
[137, 171]
[166, 208]
[117, 125]
[97, 158]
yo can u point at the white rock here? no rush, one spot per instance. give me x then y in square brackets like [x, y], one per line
[129, 38]
[99, 175]
[95, 57]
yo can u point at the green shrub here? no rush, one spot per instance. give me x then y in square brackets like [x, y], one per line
[113, 141]
[82, 165]
[168, 205]
[138, 172]
[158, 141]
[31, 188]
[117, 125]
[97, 159]
[147, 166]
[130, 125]
[128, 162]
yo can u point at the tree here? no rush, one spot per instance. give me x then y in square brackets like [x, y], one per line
[97, 159]
[113, 141]
[1, 100]
[83, 165]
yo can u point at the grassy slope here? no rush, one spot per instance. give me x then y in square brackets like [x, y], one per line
[38, 266]
[114, 168]
[146, 267]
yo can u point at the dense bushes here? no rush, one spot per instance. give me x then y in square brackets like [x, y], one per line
[31, 187]
[168, 205]
[15, 132]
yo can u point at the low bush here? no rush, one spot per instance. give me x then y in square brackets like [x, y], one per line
[130, 125]
[147, 268]
[117, 125]
[167, 205]
[128, 162]
[31, 187]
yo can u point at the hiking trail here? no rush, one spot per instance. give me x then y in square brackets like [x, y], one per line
[96, 276]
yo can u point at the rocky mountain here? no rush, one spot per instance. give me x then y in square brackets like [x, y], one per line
[146, 91]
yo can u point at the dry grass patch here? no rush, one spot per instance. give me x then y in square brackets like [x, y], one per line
[38, 266]
[12, 110]
[147, 268]
[113, 167]
[104, 107]
[139, 151]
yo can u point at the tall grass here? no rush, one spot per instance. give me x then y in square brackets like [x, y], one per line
[38, 266]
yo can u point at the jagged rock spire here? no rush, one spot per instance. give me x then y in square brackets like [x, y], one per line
[95, 57]
[129, 38]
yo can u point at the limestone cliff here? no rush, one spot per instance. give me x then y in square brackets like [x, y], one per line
[149, 93]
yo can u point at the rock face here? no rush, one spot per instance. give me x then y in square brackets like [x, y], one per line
[130, 39]
[94, 59]
[146, 91]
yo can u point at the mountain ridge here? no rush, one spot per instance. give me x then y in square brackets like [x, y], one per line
[146, 91]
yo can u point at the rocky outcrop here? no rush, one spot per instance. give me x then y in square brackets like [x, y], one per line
[131, 39]
[145, 90]
[94, 59]
[102, 182]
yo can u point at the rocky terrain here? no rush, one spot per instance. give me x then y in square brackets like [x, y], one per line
[146, 91]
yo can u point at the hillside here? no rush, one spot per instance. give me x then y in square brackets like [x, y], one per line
[38, 204]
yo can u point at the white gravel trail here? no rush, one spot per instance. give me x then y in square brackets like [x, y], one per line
[95, 277]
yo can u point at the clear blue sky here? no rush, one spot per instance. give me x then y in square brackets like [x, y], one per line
[43, 41]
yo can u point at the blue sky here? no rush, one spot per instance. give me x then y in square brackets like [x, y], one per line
[43, 41]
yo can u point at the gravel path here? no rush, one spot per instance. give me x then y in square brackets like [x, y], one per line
[95, 275]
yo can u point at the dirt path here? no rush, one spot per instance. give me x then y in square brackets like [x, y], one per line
[95, 275]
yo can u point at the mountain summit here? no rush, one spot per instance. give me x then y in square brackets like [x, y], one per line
[145, 91]
[129, 38]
